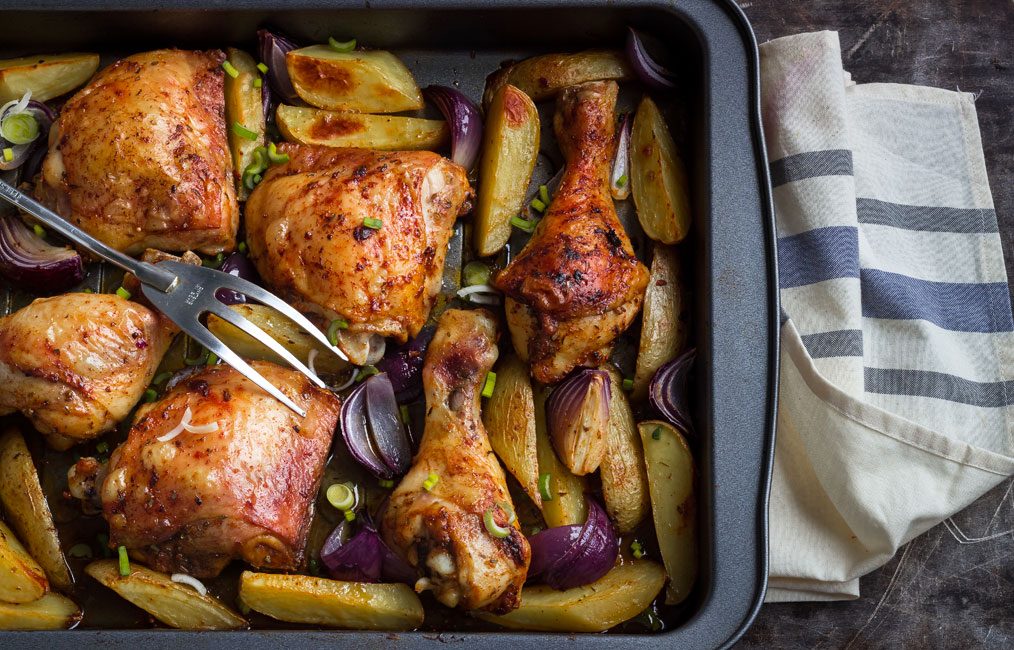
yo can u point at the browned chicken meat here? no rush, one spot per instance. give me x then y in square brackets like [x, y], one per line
[577, 285]
[357, 235]
[139, 157]
[435, 518]
[76, 364]
[218, 469]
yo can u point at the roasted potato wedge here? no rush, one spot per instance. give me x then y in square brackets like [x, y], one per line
[22, 580]
[567, 505]
[320, 601]
[243, 105]
[47, 76]
[175, 604]
[541, 77]
[292, 338]
[658, 178]
[360, 81]
[620, 595]
[663, 332]
[50, 612]
[624, 477]
[673, 505]
[509, 417]
[510, 147]
[344, 129]
[27, 510]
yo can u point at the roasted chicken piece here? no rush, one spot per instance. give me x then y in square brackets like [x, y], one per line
[218, 469]
[435, 518]
[76, 364]
[357, 235]
[577, 285]
[139, 158]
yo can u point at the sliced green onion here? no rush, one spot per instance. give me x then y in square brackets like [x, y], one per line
[87, 290]
[242, 248]
[621, 181]
[20, 128]
[39, 231]
[262, 67]
[637, 549]
[332, 330]
[430, 482]
[523, 224]
[251, 179]
[403, 413]
[508, 510]
[350, 515]
[124, 561]
[150, 395]
[199, 360]
[386, 483]
[538, 205]
[258, 82]
[366, 371]
[102, 447]
[274, 157]
[476, 273]
[123, 293]
[493, 528]
[341, 46]
[214, 262]
[489, 384]
[544, 194]
[544, 491]
[657, 433]
[375, 224]
[243, 132]
[80, 550]
[341, 496]
[628, 384]
[230, 69]
[161, 377]
[212, 359]
[8, 154]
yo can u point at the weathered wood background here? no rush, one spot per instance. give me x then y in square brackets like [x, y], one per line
[937, 592]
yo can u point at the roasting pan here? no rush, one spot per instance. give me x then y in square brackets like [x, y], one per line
[730, 250]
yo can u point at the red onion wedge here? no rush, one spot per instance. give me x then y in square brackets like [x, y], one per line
[650, 72]
[272, 49]
[27, 261]
[619, 179]
[373, 430]
[403, 365]
[363, 557]
[464, 120]
[571, 556]
[668, 390]
[577, 416]
[239, 265]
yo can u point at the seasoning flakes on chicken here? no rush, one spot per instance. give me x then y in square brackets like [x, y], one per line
[218, 469]
[76, 364]
[357, 235]
[139, 157]
[577, 285]
[450, 516]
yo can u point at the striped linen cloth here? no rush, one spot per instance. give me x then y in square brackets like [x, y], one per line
[897, 365]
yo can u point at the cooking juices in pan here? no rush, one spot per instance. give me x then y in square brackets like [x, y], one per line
[507, 447]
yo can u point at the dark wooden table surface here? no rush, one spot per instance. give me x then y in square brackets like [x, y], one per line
[936, 592]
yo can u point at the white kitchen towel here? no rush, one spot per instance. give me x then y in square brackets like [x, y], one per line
[897, 367]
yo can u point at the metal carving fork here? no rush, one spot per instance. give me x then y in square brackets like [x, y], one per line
[184, 293]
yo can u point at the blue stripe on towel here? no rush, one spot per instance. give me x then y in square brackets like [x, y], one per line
[811, 164]
[926, 383]
[818, 255]
[926, 218]
[837, 343]
[960, 307]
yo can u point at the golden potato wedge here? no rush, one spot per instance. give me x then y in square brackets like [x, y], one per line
[320, 601]
[658, 178]
[292, 338]
[28, 511]
[243, 105]
[510, 147]
[344, 129]
[175, 604]
[663, 332]
[47, 76]
[542, 77]
[624, 477]
[360, 81]
[509, 417]
[50, 612]
[567, 505]
[671, 483]
[618, 596]
[22, 580]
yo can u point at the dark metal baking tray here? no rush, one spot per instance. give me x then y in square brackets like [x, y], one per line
[731, 247]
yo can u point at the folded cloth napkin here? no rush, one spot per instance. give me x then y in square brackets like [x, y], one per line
[897, 381]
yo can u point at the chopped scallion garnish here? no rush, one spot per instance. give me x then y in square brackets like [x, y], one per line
[199, 360]
[150, 395]
[332, 330]
[628, 384]
[274, 157]
[242, 248]
[538, 205]
[214, 262]
[403, 413]
[493, 528]
[657, 433]
[243, 132]
[341, 46]
[123, 293]
[102, 447]
[621, 181]
[341, 496]
[476, 273]
[373, 223]
[366, 371]
[162, 377]
[350, 515]
[20, 128]
[124, 561]
[87, 290]
[637, 549]
[544, 194]
[258, 82]
[8, 154]
[430, 482]
[262, 67]
[386, 483]
[212, 359]
[39, 231]
[544, 491]
[81, 550]
[523, 224]
[230, 69]
[489, 384]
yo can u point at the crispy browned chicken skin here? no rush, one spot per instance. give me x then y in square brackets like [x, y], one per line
[577, 285]
[308, 236]
[195, 502]
[441, 530]
[139, 157]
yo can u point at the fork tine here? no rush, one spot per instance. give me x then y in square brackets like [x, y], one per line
[264, 338]
[203, 336]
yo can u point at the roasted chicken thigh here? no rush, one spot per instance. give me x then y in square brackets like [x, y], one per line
[357, 235]
[218, 469]
[577, 285]
[76, 364]
[139, 158]
[437, 524]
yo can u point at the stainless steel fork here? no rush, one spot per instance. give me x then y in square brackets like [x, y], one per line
[184, 293]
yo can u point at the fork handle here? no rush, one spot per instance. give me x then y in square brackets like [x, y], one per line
[149, 274]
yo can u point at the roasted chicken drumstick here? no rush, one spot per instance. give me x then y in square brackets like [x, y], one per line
[577, 285]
